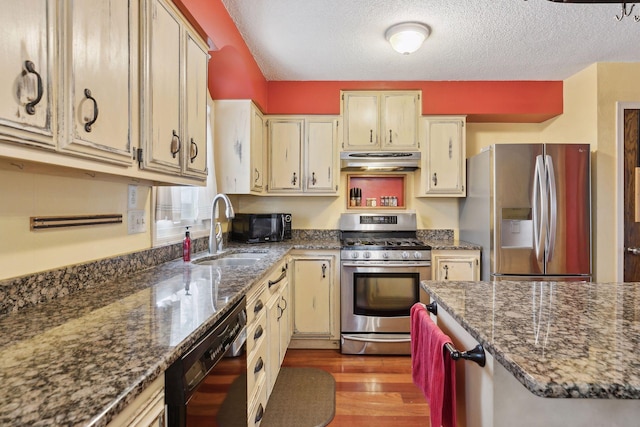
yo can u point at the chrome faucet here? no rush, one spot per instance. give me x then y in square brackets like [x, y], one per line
[215, 233]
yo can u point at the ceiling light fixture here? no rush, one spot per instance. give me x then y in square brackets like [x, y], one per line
[407, 37]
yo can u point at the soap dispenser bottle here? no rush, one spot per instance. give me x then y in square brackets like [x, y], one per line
[186, 247]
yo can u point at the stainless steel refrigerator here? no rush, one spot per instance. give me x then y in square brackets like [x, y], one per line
[529, 206]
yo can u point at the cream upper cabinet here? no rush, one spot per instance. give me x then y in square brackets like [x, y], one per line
[27, 109]
[99, 59]
[239, 141]
[316, 300]
[455, 265]
[285, 153]
[386, 120]
[195, 162]
[443, 172]
[321, 171]
[175, 71]
[303, 154]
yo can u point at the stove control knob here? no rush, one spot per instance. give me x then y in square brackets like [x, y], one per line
[354, 255]
[405, 255]
[417, 255]
[385, 255]
[367, 255]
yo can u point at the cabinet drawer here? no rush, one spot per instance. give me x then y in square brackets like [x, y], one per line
[257, 405]
[256, 303]
[256, 368]
[256, 333]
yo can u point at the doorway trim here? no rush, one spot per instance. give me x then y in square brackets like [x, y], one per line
[620, 108]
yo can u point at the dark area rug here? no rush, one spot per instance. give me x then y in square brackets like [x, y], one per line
[301, 397]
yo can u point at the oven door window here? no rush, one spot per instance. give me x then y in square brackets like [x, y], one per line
[385, 294]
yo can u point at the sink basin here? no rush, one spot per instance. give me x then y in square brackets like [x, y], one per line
[238, 258]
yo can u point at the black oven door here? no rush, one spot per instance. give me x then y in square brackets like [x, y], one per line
[378, 298]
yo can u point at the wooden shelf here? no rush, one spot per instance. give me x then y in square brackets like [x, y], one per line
[377, 186]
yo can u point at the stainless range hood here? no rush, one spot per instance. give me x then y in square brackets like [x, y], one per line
[379, 160]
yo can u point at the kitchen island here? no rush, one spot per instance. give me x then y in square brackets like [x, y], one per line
[558, 354]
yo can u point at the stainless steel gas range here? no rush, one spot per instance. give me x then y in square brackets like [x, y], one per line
[381, 265]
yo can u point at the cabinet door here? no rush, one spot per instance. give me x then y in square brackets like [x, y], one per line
[320, 155]
[449, 266]
[313, 292]
[285, 150]
[273, 341]
[99, 78]
[196, 109]
[361, 125]
[26, 65]
[444, 165]
[399, 120]
[284, 322]
[257, 151]
[163, 144]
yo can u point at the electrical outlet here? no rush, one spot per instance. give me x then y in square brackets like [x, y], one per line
[132, 199]
[136, 221]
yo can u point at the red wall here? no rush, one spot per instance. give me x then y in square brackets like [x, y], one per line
[234, 74]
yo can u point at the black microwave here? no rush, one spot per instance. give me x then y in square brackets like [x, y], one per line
[262, 227]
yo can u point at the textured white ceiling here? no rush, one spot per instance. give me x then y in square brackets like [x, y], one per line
[470, 39]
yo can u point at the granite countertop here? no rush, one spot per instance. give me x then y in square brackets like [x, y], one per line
[82, 358]
[559, 339]
[451, 244]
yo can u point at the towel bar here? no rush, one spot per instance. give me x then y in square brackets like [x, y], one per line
[476, 354]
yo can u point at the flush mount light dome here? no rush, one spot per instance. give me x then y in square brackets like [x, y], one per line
[407, 37]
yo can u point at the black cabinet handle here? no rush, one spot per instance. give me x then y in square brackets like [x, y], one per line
[294, 179]
[175, 144]
[446, 272]
[324, 270]
[259, 414]
[31, 106]
[435, 179]
[259, 366]
[258, 333]
[87, 126]
[194, 150]
[390, 137]
[279, 279]
[259, 306]
[313, 178]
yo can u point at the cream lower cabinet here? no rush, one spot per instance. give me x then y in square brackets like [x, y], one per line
[316, 301]
[455, 265]
[278, 322]
[146, 410]
[443, 171]
[256, 353]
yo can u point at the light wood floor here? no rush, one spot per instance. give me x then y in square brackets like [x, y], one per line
[370, 390]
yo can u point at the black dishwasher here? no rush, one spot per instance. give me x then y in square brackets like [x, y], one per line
[207, 385]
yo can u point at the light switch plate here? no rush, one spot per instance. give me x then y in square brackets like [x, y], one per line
[136, 222]
[132, 199]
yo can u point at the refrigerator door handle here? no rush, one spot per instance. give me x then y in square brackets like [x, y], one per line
[553, 207]
[539, 205]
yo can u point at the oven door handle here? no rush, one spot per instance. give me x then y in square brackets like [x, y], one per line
[385, 264]
[380, 340]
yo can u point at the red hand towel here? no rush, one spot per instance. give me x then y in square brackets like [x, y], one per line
[433, 369]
